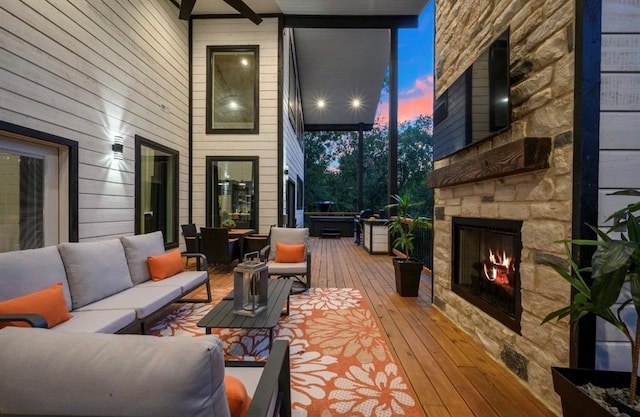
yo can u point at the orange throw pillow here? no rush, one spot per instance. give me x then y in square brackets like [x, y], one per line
[290, 253]
[237, 396]
[49, 303]
[165, 265]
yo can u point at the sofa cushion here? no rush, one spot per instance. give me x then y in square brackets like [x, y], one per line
[288, 268]
[110, 375]
[165, 265]
[145, 300]
[49, 303]
[31, 270]
[288, 236]
[95, 270]
[290, 253]
[137, 249]
[184, 281]
[99, 321]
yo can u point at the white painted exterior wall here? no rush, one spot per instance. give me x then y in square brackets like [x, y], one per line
[226, 32]
[294, 156]
[89, 70]
[619, 144]
[265, 144]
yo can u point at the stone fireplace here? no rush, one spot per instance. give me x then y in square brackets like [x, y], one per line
[521, 171]
[520, 214]
[486, 266]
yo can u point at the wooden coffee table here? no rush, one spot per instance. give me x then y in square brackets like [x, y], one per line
[223, 317]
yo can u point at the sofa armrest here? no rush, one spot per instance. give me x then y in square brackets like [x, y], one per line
[202, 256]
[34, 320]
[275, 379]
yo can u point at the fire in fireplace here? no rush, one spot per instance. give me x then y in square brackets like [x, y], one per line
[486, 266]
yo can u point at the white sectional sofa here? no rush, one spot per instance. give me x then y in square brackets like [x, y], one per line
[56, 373]
[106, 284]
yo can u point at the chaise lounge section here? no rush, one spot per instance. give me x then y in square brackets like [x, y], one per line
[82, 374]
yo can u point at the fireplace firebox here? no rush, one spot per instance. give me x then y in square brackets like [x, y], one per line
[486, 265]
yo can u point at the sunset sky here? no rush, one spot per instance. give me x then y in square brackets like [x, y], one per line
[415, 78]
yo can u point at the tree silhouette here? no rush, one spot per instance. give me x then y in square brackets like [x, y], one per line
[331, 166]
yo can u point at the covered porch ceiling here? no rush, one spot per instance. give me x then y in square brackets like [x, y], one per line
[342, 51]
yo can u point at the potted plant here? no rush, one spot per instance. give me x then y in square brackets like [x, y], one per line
[615, 267]
[402, 226]
[228, 223]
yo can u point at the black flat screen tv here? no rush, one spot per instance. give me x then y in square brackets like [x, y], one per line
[477, 105]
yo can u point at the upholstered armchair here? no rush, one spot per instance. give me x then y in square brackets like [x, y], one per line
[288, 256]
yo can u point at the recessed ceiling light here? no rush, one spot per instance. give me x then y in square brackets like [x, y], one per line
[355, 103]
[321, 103]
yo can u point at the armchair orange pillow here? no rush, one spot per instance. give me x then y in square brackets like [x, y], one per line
[290, 253]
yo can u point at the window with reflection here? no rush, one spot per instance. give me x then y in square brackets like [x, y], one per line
[232, 188]
[156, 190]
[232, 89]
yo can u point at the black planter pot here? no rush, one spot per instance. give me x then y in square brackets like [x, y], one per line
[407, 276]
[575, 402]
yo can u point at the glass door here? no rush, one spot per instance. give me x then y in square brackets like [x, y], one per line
[231, 191]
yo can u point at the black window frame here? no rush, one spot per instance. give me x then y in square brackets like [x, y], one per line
[211, 205]
[175, 155]
[209, 128]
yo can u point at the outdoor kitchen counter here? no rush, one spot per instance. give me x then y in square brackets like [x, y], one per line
[375, 236]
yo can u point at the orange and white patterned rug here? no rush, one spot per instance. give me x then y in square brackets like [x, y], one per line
[340, 362]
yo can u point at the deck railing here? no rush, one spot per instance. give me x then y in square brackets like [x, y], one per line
[422, 246]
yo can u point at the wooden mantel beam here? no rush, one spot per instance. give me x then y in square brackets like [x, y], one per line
[527, 154]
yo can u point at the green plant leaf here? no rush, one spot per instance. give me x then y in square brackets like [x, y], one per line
[611, 256]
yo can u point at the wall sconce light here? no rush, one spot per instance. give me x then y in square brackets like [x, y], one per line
[118, 148]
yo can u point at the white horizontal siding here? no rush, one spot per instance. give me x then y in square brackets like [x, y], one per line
[619, 145]
[224, 32]
[294, 156]
[88, 70]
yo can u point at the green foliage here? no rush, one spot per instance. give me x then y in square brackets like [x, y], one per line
[331, 166]
[403, 224]
[228, 223]
[615, 262]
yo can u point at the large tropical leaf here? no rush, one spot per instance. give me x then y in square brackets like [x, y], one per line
[611, 256]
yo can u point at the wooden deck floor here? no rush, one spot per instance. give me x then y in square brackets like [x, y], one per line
[450, 373]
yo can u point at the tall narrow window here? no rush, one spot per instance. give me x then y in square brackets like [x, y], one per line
[31, 189]
[156, 190]
[232, 89]
[232, 188]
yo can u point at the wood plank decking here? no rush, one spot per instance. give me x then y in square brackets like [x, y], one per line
[450, 373]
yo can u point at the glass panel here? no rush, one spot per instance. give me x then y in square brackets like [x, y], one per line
[31, 186]
[234, 193]
[22, 196]
[232, 83]
[157, 207]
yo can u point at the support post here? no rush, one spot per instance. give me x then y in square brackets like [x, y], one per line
[393, 117]
[360, 164]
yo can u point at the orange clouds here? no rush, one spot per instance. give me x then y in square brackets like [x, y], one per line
[416, 101]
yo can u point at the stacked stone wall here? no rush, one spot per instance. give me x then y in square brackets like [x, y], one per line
[542, 96]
